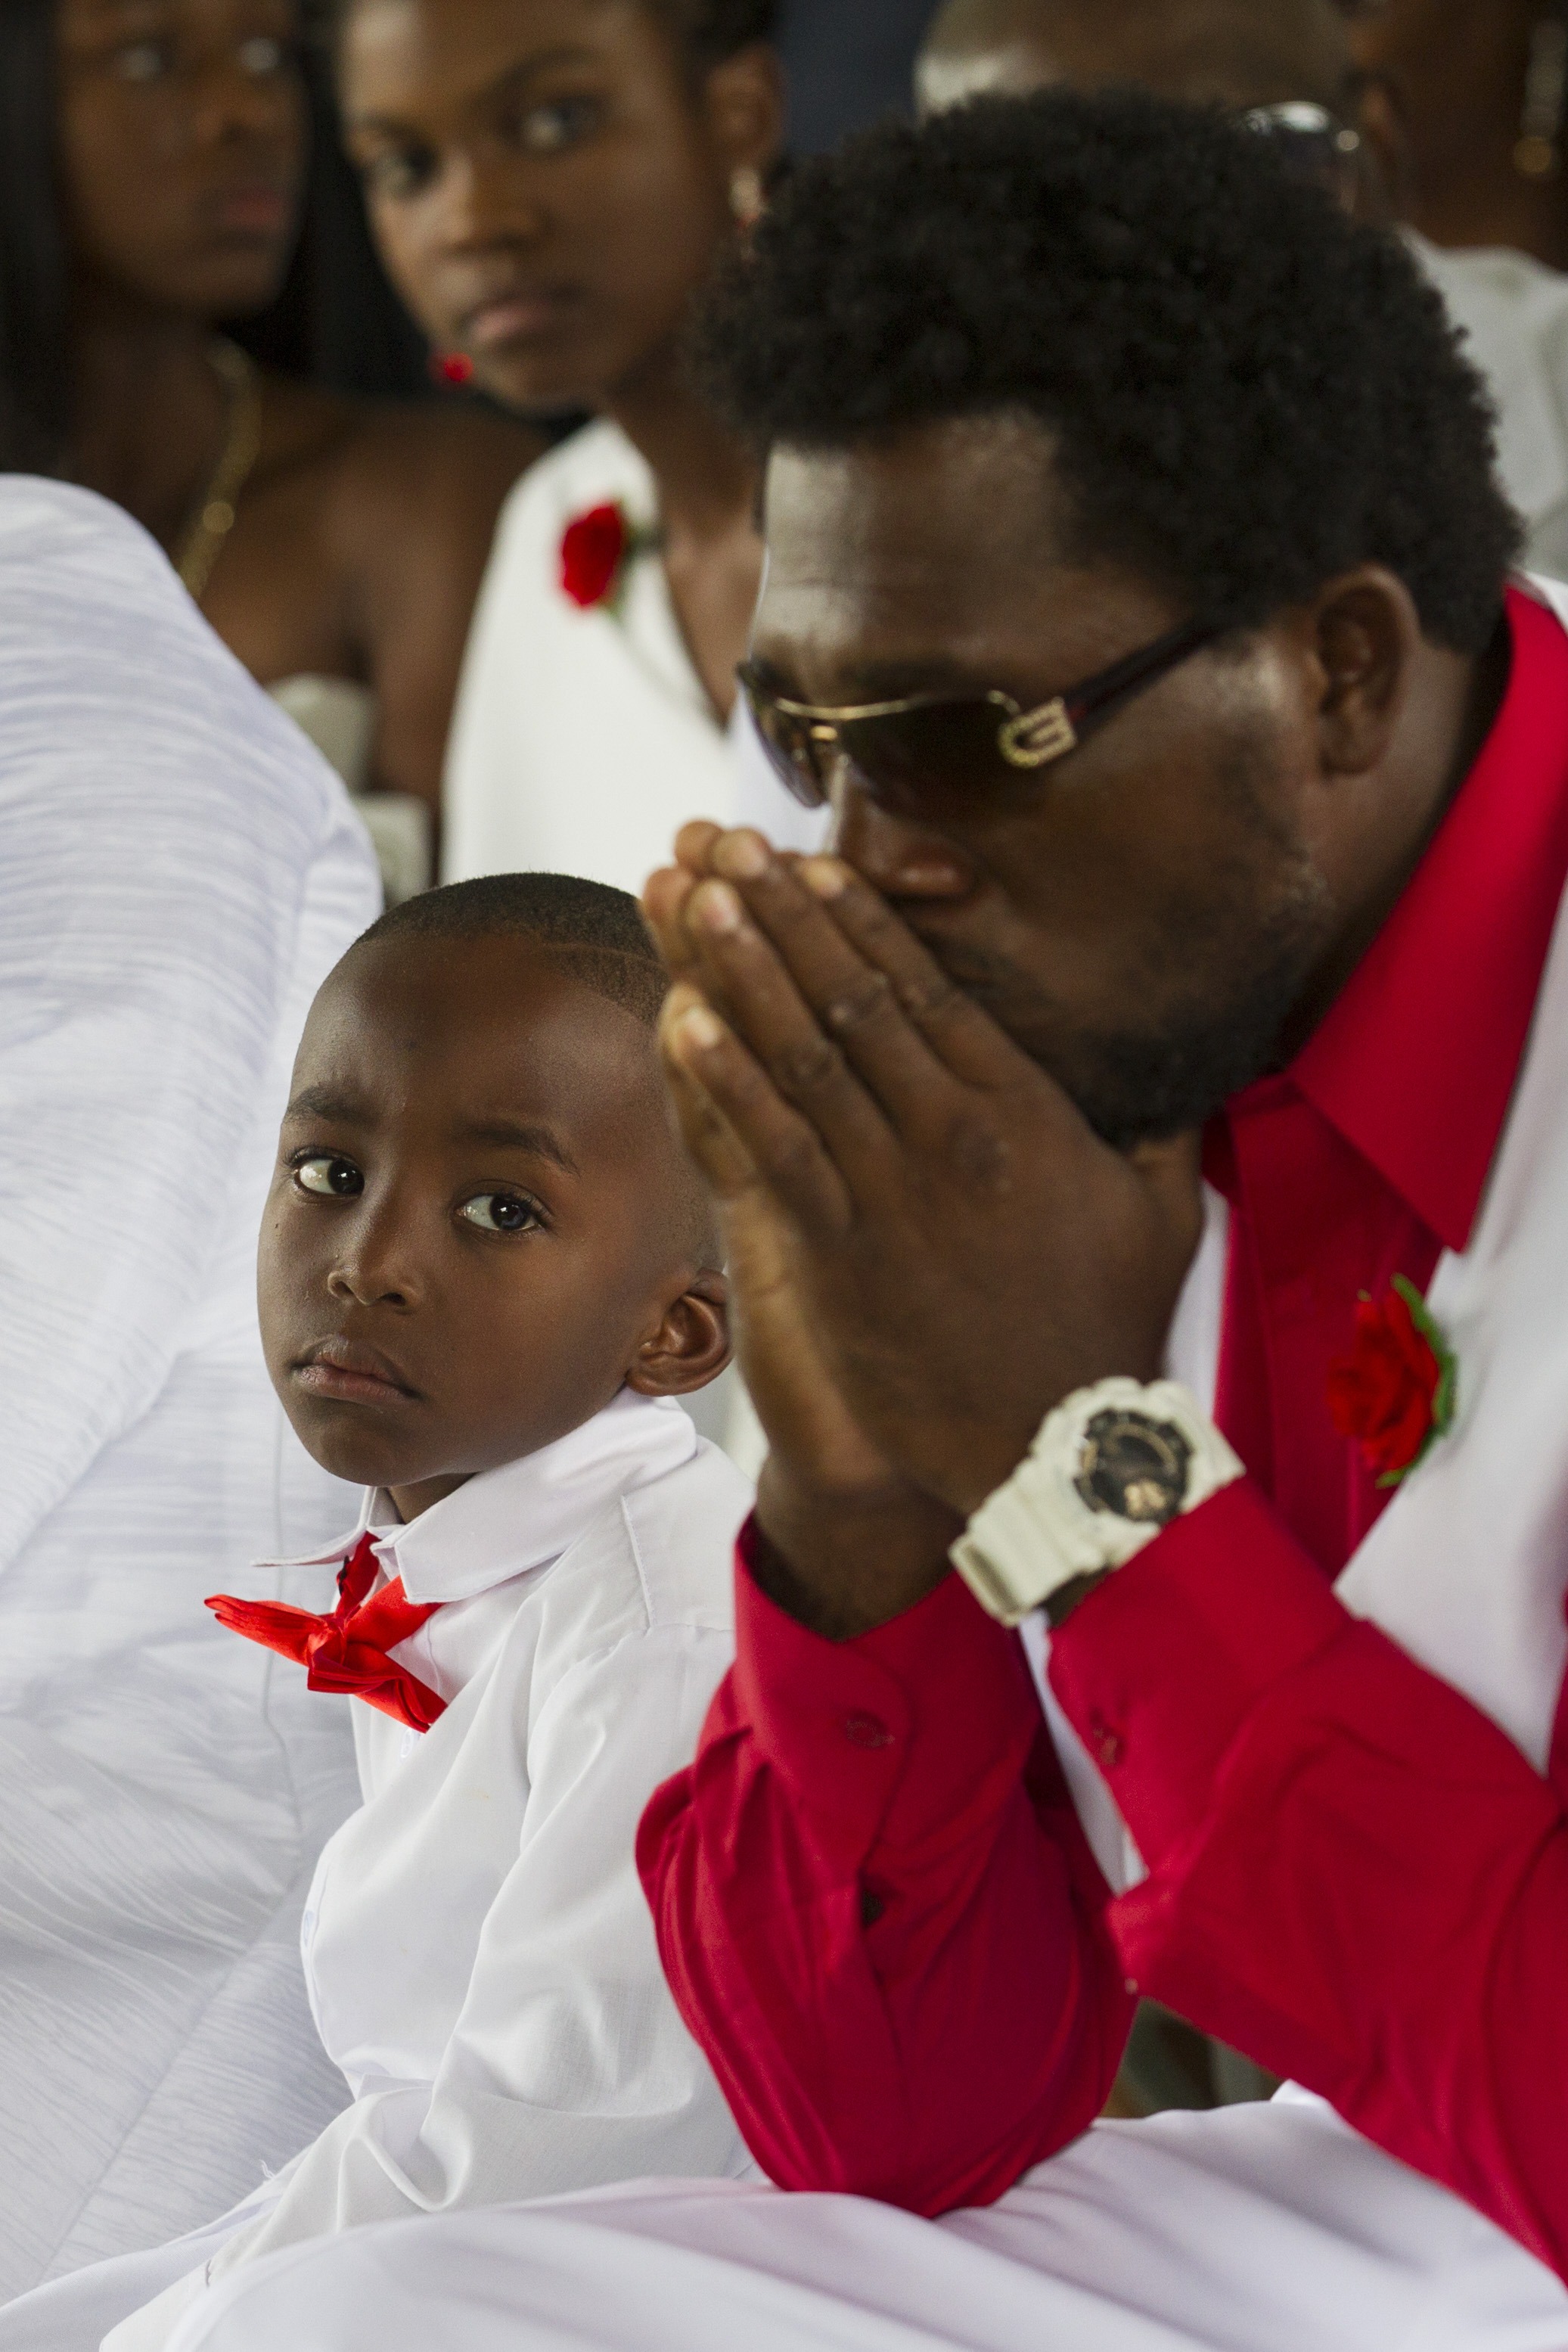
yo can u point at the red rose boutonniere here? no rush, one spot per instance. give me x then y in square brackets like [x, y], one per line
[595, 551]
[1394, 1392]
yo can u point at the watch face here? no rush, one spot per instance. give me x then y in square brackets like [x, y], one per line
[1134, 1466]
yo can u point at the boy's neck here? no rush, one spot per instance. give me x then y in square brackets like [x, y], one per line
[409, 1501]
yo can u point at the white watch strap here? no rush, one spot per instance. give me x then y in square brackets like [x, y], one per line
[1037, 1533]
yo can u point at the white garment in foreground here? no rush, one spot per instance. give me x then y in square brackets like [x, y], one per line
[583, 742]
[178, 869]
[479, 1956]
[1257, 2229]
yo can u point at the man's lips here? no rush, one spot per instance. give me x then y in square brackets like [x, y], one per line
[350, 1371]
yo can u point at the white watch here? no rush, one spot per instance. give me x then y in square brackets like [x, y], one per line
[1110, 1466]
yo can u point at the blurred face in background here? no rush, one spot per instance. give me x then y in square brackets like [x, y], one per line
[549, 181]
[184, 142]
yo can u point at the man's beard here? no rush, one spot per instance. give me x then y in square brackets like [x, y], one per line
[1138, 1086]
[1222, 1014]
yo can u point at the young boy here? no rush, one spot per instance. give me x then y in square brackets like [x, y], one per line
[486, 1273]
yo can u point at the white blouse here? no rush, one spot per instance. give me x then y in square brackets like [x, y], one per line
[582, 741]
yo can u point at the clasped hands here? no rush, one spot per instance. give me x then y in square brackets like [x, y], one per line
[928, 1246]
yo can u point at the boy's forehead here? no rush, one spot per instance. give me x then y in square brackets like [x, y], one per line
[426, 1027]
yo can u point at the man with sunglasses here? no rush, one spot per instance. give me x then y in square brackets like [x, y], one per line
[1145, 1140]
[1182, 814]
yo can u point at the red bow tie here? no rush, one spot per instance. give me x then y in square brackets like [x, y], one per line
[346, 1650]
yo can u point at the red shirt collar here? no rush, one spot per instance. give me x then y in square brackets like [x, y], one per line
[1415, 1060]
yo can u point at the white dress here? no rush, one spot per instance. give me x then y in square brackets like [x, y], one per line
[1266, 2227]
[178, 869]
[582, 741]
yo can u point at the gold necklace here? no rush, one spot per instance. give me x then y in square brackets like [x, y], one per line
[213, 518]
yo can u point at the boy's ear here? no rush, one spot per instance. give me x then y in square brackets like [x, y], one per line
[691, 1345]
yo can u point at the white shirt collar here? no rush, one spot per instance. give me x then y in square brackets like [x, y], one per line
[506, 1521]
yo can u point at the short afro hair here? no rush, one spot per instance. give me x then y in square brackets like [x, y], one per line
[597, 931]
[1246, 391]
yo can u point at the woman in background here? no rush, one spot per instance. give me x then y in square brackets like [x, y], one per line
[1476, 98]
[549, 184]
[152, 166]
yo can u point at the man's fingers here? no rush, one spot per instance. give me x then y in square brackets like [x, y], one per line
[963, 1037]
[744, 977]
[711, 1141]
[664, 896]
[770, 1136]
[854, 1004]
[694, 844]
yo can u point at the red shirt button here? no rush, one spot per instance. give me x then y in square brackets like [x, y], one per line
[866, 1731]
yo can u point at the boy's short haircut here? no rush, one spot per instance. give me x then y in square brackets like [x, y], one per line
[599, 929]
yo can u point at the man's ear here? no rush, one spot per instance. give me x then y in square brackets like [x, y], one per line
[691, 1345]
[1366, 636]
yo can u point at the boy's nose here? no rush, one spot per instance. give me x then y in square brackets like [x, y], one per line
[374, 1267]
[369, 1285]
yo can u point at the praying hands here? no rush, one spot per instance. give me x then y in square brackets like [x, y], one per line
[930, 1246]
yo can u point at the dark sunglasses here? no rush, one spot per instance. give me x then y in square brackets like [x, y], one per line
[935, 752]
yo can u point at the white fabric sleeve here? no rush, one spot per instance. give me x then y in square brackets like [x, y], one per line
[568, 2065]
[161, 830]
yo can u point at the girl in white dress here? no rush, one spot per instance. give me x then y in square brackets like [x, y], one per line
[550, 186]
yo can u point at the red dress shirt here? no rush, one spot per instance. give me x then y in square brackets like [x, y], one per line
[873, 1899]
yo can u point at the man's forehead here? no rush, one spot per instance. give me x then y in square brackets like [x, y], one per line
[936, 509]
[939, 551]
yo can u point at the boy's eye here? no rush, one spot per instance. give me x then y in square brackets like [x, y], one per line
[500, 1213]
[328, 1172]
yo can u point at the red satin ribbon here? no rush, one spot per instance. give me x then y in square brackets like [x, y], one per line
[347, 1649]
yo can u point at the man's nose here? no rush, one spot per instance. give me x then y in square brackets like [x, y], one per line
[895, 855]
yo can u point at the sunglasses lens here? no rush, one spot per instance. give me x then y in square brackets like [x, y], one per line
[944, 753]
[788, 742]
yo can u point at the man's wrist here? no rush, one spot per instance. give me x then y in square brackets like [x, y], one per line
[1109, 1467]
[841, 1563]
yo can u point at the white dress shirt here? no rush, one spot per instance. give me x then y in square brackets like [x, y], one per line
[480, 1954]
[582, 741]
[178, 870]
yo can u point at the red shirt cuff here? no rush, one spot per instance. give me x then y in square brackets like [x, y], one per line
[1160, 1667]
[888, 1738]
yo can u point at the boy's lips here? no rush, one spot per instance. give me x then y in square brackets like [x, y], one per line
[352, 1371]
